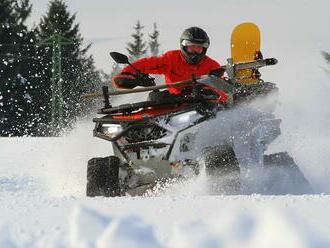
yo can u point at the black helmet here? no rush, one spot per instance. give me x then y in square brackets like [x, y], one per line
[194, 35]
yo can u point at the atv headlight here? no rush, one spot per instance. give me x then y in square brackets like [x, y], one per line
[111, 130]
[184, 119]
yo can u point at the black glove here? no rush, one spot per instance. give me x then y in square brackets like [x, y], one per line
[129, 81]
[144, 80]
[217, 72]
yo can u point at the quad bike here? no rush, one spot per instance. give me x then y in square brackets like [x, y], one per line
[216, 126]
[165, 138]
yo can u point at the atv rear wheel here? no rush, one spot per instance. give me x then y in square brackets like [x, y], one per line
[284, 176]
[103, 177]
[222, 169]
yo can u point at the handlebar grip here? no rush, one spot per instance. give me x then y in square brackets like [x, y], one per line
[271, 61]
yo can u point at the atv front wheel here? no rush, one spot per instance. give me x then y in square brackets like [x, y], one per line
[222, 169]
[103, 177]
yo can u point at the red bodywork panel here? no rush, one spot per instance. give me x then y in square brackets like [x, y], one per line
[147, 112]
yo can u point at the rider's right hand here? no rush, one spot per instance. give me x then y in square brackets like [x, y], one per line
[129, 81]
[144, 80]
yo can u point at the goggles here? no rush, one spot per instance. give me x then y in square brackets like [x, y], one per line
[190, 43]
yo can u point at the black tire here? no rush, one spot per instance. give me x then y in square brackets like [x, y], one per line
[103, 177]
[285, 176]
[279, 159]
[222, 168]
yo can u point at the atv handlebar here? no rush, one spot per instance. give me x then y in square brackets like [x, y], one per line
[144, 89]
[271, 61]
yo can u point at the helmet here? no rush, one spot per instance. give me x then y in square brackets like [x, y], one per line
[190, 36]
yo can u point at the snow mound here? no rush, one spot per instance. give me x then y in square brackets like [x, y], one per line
[128, 232]
[16, 183]
[248, 228]
[5, 237]
[238, 227]
[89, 228]
[85, 226]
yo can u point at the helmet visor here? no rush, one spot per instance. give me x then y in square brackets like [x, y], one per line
[190, 43]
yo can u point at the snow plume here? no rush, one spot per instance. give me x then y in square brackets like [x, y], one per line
[187, 187]
[305, 113]
[248, 129]
[66, 161]
[58, 163]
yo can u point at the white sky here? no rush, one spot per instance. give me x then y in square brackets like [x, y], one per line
[295, 28]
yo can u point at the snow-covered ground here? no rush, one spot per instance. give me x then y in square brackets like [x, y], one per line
[42, 204]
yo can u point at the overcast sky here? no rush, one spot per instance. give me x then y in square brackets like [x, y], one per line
[288, 27]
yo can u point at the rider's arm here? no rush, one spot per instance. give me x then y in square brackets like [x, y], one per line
[152, 65]
[215, 68]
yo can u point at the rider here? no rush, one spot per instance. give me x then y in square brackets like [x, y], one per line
[175, 65]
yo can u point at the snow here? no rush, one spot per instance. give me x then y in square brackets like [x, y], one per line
[27, 97]
[86, 225]
[200, 221]
[42, 204]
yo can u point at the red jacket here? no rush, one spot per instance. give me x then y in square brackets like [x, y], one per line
[174, 67]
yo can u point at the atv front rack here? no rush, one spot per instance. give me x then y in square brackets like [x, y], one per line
[129, 108]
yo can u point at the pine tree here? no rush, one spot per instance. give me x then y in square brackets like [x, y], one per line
[16, 73]
[153, 43]
[78, 71]
[137, 48]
